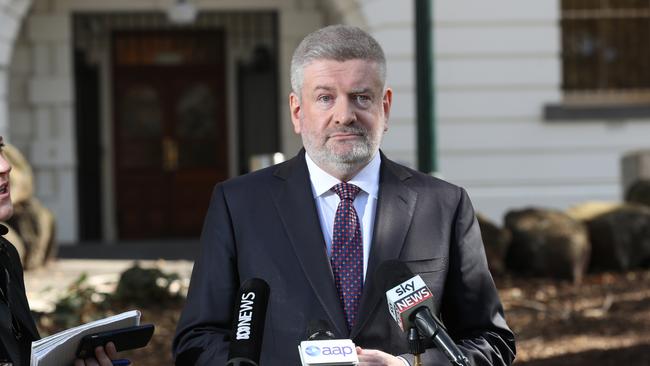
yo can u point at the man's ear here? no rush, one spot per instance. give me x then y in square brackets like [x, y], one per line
[387, 101]
[294, 107]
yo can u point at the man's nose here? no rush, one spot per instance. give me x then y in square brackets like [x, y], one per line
[345, 113]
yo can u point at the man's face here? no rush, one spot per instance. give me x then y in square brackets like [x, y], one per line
[342, 113]
[6, 207]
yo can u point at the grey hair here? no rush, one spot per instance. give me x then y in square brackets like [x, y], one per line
[339, 43]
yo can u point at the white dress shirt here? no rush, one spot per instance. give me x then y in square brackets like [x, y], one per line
[365, 203]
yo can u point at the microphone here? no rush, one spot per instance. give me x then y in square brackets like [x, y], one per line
[319, 330]
[248, 323]
[323, 349]
[410, 303]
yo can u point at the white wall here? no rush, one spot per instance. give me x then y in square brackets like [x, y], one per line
[497, 65]
[391, 23]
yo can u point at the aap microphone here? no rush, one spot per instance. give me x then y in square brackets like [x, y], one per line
[248, 323]
[323, 349]
[410, 303]
[319, 330]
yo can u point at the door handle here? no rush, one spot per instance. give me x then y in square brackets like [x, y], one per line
[170, 154]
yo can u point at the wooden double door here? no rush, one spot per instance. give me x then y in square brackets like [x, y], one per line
[170, 136]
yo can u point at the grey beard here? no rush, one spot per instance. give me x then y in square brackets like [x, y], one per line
[342, 165]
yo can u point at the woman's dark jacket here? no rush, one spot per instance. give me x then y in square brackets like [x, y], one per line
[17, 328]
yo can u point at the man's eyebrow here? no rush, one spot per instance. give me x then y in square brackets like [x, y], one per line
[365, 90]
[323, 87]
[361, 91]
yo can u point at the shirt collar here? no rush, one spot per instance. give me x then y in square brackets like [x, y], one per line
[367, 179]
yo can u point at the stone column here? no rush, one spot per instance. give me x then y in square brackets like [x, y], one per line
[11, 16]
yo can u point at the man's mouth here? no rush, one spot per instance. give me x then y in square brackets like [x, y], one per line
[345, 134]
[4, 188]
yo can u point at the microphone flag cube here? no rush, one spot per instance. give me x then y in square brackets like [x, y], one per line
[404, 298]
[331, 352]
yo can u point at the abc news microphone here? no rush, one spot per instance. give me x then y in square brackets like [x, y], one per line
[410, 303]
[248, 323]
[323, 349]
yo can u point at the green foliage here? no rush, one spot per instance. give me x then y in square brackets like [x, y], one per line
[80, 303]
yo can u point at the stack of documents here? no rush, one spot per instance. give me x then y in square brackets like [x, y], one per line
[61, 348]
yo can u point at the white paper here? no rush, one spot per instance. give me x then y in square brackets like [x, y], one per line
[61, 348]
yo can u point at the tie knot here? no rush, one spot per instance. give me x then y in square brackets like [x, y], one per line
[346, 191]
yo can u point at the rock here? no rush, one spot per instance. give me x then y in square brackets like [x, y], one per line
[639, 192]
[589, 210]
[547, 243]
[620, 239]
[145, 286]
[635, 167]
[34, 223]
[496, 241]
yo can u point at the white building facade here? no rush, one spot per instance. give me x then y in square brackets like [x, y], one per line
[497, 66]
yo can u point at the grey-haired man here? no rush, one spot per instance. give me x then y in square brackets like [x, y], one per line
[297, 226]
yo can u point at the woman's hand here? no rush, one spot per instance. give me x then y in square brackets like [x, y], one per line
[103, 356]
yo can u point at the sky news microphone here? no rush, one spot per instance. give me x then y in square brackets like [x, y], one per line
[248, 323]
[410, 303]
[323, 349]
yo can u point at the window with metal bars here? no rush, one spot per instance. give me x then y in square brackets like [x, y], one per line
[606, 50]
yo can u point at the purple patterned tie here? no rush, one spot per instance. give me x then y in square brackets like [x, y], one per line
[347, 252]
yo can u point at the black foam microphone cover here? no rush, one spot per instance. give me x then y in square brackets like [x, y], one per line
[248, 323]
[319, 330]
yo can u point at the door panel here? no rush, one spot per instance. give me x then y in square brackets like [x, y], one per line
[170, 135]
[202, 148]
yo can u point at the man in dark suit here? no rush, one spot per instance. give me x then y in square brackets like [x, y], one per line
[317, 227]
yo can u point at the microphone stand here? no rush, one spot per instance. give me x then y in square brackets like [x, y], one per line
[415, 345]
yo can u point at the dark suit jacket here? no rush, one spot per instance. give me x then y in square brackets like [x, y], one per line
[18, 350]
[265, 225]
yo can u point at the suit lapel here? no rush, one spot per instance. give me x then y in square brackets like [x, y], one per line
[394, 213]
[294, 201]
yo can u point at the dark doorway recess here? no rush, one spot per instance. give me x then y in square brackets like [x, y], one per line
[87, 116]
[257, 106]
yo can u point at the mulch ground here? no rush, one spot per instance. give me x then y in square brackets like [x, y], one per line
[604, 321]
